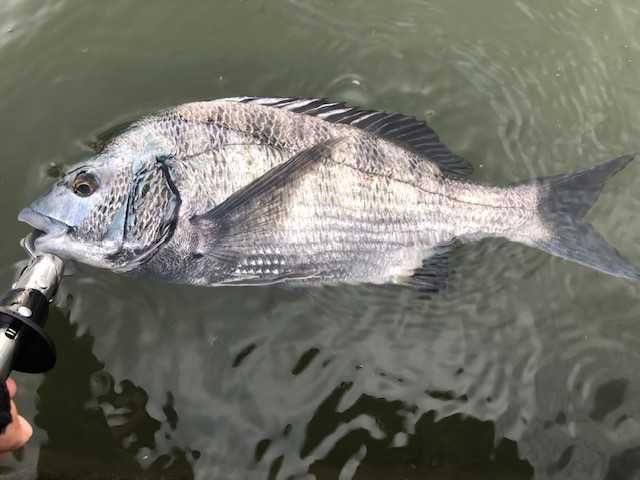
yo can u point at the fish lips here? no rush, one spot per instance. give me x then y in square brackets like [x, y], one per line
[46, 228]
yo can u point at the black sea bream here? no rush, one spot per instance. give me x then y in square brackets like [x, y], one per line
[267, 190]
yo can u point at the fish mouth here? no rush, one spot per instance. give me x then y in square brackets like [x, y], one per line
[44, 226]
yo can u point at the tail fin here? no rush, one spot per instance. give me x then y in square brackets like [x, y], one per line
[564, 200]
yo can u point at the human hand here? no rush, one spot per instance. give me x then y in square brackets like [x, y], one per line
[18, 432]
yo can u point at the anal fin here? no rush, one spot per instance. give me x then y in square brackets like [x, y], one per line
[432, 276]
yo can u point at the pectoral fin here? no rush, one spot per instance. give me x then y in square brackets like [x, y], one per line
[251, 214]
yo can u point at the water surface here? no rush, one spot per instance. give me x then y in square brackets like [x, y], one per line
[526, 369]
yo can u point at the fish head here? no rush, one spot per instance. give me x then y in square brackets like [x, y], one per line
[77, 217]
[113, 210]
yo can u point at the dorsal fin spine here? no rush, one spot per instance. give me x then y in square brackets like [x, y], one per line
[401, 129]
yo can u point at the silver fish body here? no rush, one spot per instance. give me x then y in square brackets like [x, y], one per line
[259, 191]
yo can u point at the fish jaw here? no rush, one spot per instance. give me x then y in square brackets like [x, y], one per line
[54, 236]
[48, 230]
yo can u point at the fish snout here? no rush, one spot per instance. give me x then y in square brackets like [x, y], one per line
[44, 223]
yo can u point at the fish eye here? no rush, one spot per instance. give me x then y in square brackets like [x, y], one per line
[84, 184]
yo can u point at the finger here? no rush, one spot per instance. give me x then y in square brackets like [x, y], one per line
[12, 387]
[18, 432]
[13, 411]
[16, 435]
[26, 430]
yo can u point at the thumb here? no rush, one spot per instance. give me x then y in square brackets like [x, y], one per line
[25, 428]
[18, 432]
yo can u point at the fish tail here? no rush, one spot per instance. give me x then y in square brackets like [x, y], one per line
[560, 228]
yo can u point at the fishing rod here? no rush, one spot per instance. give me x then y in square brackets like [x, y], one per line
[24, 345]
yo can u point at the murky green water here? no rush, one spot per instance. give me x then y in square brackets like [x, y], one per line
[527, 369]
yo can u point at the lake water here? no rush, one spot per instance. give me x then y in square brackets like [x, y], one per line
[527, 368]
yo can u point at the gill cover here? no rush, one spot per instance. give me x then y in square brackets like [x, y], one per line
[149, 216]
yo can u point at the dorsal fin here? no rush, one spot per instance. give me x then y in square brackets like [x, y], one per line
[396, 127]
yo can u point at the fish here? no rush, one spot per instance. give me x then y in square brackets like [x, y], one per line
[259, 191]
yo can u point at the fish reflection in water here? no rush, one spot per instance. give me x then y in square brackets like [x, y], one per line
[96, 428]
[335, 441]
[352, 389]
